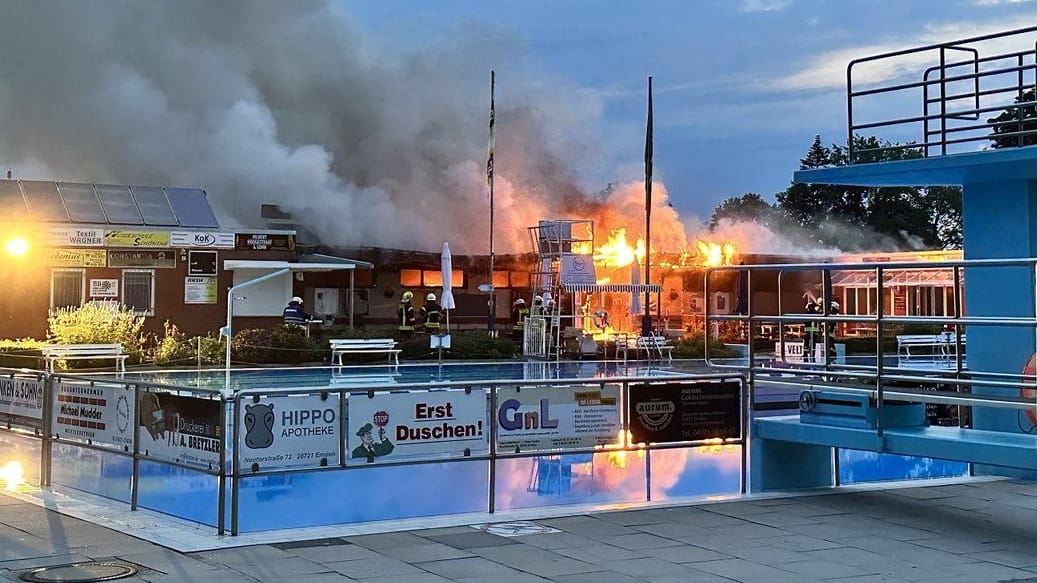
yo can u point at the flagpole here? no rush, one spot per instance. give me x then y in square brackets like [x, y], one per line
[491, 303]
[646, 322]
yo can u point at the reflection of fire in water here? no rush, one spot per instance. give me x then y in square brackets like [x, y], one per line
[13, 475]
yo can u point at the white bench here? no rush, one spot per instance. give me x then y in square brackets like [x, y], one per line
[55, 352]
[340, 346]
[927, 346]
[655, 344]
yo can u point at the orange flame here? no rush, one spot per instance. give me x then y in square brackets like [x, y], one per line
[715, 254]
[616, 252]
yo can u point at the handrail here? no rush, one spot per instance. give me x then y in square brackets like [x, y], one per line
[1006, 67]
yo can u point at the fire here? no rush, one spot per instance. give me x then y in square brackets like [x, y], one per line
[616, 252]
[714, 254]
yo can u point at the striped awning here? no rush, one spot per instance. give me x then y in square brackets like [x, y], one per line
[611, 287]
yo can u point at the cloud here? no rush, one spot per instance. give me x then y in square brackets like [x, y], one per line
[764, 5]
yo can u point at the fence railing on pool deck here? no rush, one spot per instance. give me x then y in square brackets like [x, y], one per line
[283, 432]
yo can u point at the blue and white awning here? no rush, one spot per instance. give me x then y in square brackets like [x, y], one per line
[611, 287]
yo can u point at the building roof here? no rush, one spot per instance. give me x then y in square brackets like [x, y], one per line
[105, 204]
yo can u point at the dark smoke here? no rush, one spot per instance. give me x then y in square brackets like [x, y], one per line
[290, 103]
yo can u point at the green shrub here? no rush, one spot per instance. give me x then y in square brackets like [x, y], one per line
[251, 346]
[474, 345]
[695, 347]
[289, 344]
[174, 347]
[212, 347]
[866, 344]
[98, 323]
[23, 353]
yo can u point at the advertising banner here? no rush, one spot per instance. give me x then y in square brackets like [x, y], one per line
[141, 258]
[541, 418]
[200, 290]
[297, 431]
[202, 263]
[21, 402]
[685, 411]
[390, 426]
[75, 258]
[100, 414]
[72, 237]
[201, 239]
[264, 242]
[578, 269]
[104, 288]
[122, 238]
[182, 429]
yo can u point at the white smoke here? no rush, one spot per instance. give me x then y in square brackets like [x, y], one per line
[290, 103]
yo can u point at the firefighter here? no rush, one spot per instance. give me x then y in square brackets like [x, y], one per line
[405, 314]
[431, 313]
[519, 311]
[813, 329]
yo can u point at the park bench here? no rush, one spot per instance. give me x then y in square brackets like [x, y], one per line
[927, 346]
[55, 352]
[341, 346]
[652, 346]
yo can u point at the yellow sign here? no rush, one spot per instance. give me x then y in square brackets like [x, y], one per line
[75, 258]
[200, 290]
[120, 238]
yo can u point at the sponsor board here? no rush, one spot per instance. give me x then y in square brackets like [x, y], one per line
[201, 263]
[123, 238]
[75, 258]
[541, 418]
[264, 242]
[390, 426]
[21, 402]
[201, 239]
[96, 413]
[71, 237]
[181, 429]
[104, 288]
[200, 290]
[685, 411]
[578, 269]
[297, 431]
[141, 258]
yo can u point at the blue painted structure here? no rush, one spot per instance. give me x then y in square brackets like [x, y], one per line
[999, 209]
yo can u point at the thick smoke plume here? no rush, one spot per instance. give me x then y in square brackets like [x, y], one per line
[290, 103]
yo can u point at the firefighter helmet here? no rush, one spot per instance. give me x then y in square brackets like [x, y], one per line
[407, 296]
[431, 297]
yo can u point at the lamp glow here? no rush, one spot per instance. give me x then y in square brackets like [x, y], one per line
[17, 246]
[12, 475]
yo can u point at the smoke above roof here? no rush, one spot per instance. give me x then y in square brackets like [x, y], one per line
[291, 103]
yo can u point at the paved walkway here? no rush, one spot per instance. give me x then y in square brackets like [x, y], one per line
[975, 532]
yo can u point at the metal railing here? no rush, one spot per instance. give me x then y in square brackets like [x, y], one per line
[948, 384]
[954, 85]
[95, 414]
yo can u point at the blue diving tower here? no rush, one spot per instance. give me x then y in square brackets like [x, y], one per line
[967, 111]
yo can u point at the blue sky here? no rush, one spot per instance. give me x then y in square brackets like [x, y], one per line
[741, 86]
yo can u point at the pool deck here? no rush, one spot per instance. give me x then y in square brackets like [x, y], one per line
[969, 530]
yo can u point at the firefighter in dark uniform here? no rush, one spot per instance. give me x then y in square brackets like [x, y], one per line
[431, 313]
[519, 311]
[405, 314]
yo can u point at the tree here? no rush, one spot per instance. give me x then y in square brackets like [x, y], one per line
[1014, 119]
[904, 216]
[750, 207]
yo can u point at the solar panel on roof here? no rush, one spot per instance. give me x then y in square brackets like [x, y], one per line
[45, 202]
[153, 205]
[118, 205]
[81, 202]
[12, 203]
[191, 207]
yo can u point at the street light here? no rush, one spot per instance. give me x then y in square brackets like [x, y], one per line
[17, 246]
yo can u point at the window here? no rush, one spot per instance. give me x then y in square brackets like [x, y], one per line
[138, 290]
[66, 288]
[429, 278]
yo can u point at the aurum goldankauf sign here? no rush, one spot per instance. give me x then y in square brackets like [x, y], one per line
[289, 431]
[685, 411]
[21, 402]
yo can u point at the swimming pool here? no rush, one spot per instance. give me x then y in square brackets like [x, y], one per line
[314, 496]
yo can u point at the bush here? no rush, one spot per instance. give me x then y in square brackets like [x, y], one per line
[866, 344]
[474, 344]
[24, 353]
[98, 323]
[252, 346]
[695, 347]
[213, 348]
[174, 347]
[289, 344]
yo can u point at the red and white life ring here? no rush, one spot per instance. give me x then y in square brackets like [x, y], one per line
[601, 319]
